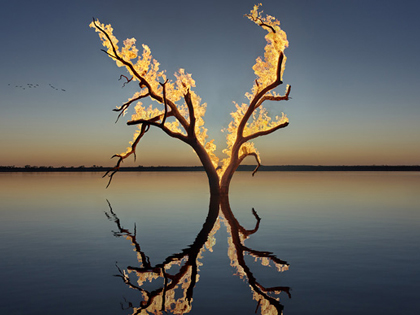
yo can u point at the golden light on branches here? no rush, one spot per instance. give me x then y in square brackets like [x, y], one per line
[180, 112]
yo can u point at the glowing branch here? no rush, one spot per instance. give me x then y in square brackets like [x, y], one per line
[110, 173]
[258, 20]
[274, 98]
[153, 122]
[110, 55]
[258, 96]
[142, 80]
[116, 55]
[243, 156]
[122, 109]
[265, 132]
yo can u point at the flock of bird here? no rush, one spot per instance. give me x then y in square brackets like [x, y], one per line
[34, 86]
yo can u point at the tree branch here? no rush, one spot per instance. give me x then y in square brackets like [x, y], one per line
[112, 56]
[260, 22]
[153, 95]
[274, 98]
[243, 156]
[121, 157]
[164, 101]
[258, 96]
[126, 63]
[107, 36]
[264, 132]
[188, 101]
[172, 106]
[128, 80]
[153, 122]
[125, 106]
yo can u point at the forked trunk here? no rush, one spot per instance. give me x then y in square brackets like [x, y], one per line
[208, 167]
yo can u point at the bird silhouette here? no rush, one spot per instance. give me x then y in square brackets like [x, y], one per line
[36, 85]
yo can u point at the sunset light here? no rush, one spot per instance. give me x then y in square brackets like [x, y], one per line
[210, 157]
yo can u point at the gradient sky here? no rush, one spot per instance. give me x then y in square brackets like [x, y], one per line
[354, 68]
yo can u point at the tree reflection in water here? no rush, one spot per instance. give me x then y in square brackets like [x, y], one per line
[178, 273]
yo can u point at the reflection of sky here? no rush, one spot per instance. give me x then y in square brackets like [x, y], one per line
[353, 67]
[346, 247]
[329, 198]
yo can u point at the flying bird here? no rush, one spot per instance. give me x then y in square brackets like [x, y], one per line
[34, 86]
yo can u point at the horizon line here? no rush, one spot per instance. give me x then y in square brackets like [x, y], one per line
[246, 167]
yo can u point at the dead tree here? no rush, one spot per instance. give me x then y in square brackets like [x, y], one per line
[180, 112]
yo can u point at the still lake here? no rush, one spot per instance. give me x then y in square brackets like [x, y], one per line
[351, 239]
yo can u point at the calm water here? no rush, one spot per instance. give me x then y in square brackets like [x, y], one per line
[351, 239]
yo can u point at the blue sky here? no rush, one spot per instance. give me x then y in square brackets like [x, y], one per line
[353, 66]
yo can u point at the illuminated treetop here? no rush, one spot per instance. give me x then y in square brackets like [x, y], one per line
[179, 111]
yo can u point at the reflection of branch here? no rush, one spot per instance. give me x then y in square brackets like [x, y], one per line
[257, 225]
[163, 298]
[186, 276]
[113, 217]
[238, 235]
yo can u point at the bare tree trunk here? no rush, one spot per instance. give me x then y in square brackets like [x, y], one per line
[212, 176]
[228, 174]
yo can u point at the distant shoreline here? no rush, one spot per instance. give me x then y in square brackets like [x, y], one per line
[263, 168]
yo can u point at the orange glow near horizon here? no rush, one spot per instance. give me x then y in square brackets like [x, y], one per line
[181, 155]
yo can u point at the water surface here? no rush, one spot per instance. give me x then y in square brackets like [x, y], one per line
[352, 240]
